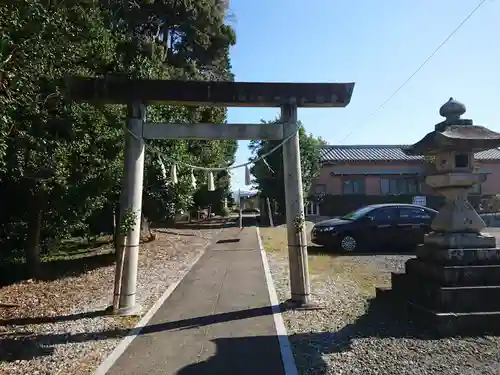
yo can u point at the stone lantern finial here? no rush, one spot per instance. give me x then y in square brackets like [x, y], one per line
[452, 110]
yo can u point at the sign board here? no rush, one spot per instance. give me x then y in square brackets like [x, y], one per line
[420, 200]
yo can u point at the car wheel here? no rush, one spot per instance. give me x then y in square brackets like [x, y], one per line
[348, 243]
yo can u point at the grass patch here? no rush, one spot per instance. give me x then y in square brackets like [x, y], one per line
[70, 258]
[274, 239]
[366, 276]
[75, 248]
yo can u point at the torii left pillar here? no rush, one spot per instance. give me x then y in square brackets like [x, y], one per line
[131, 204]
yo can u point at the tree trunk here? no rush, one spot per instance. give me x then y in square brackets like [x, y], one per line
[120, 261]
[116, 226]
[32, 250]
[146, 233]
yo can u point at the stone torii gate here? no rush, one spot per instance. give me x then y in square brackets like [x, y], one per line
[287, 96]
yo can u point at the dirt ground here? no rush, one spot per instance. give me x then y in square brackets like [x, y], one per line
[57, 324]
[355, 333]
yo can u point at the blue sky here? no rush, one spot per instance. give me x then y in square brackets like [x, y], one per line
[378, 45]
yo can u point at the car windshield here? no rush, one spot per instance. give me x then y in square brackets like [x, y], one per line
[354, 215]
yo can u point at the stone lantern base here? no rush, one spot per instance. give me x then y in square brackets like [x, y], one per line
[464, 240]
[453, 290]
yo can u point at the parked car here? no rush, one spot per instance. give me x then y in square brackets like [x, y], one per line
[377, 227]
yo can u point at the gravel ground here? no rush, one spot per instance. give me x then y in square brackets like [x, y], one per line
[59, 327]
[355, 335]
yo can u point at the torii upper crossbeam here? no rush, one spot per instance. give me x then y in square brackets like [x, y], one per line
[137, 93]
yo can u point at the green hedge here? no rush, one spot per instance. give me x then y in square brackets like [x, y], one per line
[337, 205]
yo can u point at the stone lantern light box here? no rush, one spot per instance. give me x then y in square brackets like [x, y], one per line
[454, 282]
[452, 145]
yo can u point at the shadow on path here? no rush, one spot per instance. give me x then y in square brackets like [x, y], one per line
[382, 319]
[51, 319]
[230, 354]
[210, 223]
[176, 233]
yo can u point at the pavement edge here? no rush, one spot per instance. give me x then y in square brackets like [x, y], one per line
[287, 357]
[110, 360]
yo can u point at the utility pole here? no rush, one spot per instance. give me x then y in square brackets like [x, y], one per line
[239, 205]
[296, 230]
[269, 212]
[133, 175]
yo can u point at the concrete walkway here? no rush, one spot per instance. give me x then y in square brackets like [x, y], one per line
[217, 321]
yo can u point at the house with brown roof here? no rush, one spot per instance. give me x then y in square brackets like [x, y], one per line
[353, 176]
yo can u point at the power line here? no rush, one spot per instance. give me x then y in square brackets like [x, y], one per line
[416, 71]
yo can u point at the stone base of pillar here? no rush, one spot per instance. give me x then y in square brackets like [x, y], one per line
[453, 291]
[465, 240]
[134, 311]
[299, 305]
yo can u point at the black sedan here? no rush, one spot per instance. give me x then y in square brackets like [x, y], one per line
[376, 228]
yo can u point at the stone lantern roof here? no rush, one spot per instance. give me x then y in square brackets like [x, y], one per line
[455, 134]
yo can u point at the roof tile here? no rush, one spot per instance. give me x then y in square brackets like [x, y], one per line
[382, 152]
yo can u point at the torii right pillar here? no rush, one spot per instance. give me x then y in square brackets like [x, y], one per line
[294, 197]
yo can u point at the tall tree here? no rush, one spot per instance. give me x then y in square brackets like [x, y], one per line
[60, 162]
[50, 143]
[268, 174]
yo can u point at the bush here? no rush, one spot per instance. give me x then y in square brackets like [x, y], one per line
[224, 212]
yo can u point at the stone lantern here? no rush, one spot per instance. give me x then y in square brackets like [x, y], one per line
[452, 146]
[455, 280]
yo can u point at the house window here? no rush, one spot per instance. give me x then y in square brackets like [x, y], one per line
[390, 186]
[382, 215]
[319, 189]
[312, 209]
[353, 186]
[413, 213]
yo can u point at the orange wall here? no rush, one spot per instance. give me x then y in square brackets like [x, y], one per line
[372, 183]
[492, 184]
